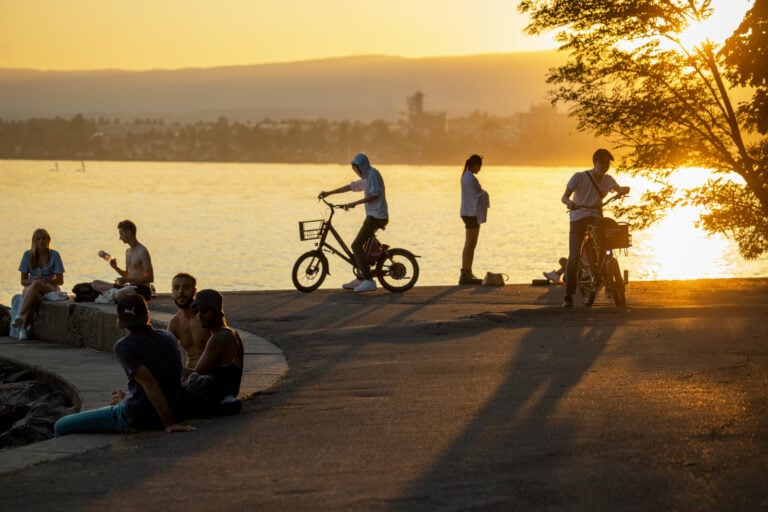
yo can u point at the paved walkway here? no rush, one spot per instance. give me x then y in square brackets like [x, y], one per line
[463, 398]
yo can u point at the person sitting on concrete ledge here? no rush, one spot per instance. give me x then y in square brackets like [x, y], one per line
[152, 362]
[42, 272]
[212, 386]
[192, 336]
[555, 275]
[138, 274]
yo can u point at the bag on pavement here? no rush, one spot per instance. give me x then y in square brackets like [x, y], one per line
[494, 279]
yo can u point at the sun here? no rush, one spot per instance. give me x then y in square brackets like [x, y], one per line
[726, 17]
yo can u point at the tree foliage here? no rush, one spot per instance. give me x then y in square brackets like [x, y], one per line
[746, 53]
[631, 77]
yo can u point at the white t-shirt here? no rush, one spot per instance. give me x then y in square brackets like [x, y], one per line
[373, 185]
[586, 195]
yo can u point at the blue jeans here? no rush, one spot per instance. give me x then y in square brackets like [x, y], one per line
[103, 420]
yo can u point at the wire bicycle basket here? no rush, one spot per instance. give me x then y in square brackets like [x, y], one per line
[310, 229]
[612, 234]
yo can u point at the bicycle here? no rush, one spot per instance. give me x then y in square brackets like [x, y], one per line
[598, 266]
[396, 269]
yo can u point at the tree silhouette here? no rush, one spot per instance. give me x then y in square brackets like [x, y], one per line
[631, 77]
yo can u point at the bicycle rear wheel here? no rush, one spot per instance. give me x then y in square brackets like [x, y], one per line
[616, 282]
[586, 275]
[397, 270]
[309, 271]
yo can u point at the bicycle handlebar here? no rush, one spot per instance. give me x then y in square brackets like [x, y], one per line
[609, 200]
[332, 205]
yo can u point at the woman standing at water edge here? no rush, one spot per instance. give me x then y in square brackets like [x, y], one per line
[42, 271]
[474, 205]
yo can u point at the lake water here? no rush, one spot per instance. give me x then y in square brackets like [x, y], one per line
[235, 226]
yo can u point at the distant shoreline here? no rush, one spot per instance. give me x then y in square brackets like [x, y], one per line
[382, 160]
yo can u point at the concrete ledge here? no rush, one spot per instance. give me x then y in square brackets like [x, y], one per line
[81, 324]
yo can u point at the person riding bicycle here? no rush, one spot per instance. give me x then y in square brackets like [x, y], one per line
[588, 189]
[377, 216]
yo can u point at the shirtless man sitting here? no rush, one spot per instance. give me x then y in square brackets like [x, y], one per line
[138, 266]
[191, 335]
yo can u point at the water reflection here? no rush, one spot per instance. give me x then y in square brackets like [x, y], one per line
[235, 226]
[674, 249]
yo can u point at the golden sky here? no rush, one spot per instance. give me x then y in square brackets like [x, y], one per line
[148, 34]
[172, 34]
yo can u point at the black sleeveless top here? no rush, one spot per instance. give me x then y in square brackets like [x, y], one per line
[227, 377]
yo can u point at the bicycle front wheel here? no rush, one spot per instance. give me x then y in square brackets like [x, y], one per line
[309, 271]
[616, 282]
[397, 270]
[586, 276]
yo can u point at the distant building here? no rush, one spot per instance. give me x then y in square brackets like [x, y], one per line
[427, 123]
[542, 121]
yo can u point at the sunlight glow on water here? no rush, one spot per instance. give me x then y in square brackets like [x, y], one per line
[235, 226]
[674, 250]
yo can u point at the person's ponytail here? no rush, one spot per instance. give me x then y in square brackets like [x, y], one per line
[472, 160]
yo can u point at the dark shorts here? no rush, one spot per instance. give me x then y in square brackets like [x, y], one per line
[470, 222]
[142, 289]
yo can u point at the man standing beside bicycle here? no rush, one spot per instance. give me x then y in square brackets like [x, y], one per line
[588, 189]
[377, 216]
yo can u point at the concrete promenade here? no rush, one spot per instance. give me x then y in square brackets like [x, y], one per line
[455, 398]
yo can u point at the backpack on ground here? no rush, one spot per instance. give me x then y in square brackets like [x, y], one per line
[85, 292]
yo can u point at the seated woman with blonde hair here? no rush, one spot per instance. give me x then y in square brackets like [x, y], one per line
[42, 272]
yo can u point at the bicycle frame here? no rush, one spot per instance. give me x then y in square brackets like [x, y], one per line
[598, 267]
[594, 256]
[344, 252]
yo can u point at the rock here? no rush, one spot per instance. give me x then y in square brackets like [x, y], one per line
[29, 406]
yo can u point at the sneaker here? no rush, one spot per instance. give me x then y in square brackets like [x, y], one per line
[568, 301]
[352, 284]
[230, 405]
[23, 334]
[552, 276]
[367, 286]
[469, 279]
[17, 321]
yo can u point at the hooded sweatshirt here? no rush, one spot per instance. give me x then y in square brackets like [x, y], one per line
[373, 185]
